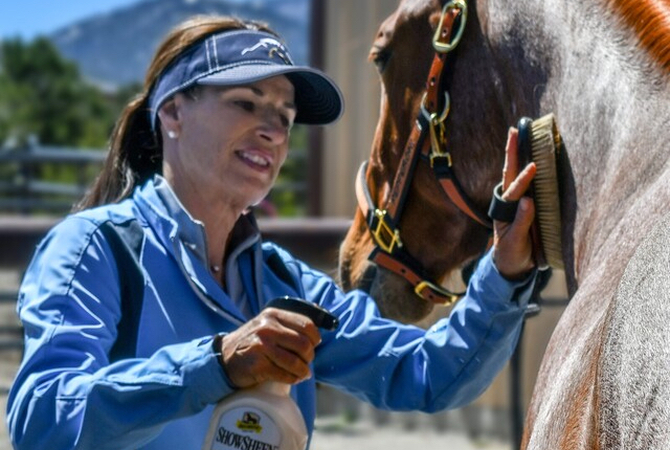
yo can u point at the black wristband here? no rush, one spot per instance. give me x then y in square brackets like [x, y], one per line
[502, 210]
[216, 348]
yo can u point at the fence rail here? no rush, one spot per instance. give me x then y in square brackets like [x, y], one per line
[46, 179]
[50, 179]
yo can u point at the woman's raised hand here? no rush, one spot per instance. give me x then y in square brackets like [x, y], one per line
[512, 246]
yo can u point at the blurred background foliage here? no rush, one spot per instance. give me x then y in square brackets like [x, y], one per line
[44, 97]
[45, 101]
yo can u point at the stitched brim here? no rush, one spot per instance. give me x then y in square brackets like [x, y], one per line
[318, 99]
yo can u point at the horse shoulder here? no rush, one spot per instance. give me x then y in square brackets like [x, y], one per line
[633, 383]
[562, 409]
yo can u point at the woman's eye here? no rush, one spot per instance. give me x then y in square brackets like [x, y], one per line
[246, 105]
[285, 121]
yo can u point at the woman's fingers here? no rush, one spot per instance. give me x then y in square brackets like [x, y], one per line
[518, 187]
[276, 345]
[510, 168]
[512, 250]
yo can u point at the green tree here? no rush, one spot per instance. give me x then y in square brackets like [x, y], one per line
[42, 94]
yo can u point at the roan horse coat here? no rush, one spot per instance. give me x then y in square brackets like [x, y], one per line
[601, 66]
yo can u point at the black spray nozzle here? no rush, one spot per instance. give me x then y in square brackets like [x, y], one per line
[321, 317]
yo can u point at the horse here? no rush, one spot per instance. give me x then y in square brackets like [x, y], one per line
[601, 67]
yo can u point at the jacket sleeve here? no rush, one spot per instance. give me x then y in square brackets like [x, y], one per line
[66, 394]
[403, 367]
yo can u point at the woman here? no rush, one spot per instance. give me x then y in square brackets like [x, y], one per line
[202, 143]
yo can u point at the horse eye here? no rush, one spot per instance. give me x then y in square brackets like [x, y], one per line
[380, 57]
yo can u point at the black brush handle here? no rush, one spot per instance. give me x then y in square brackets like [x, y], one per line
[525, 152]
[321, 317]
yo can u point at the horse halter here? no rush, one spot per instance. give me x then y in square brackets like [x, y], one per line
[389, 251]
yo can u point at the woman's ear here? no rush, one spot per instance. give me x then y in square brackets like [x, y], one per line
[169, 117]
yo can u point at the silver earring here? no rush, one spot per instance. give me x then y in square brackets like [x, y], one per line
[172, 134]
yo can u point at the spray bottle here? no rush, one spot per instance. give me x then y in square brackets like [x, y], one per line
[265, 417]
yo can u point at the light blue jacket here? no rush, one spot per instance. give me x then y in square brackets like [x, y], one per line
[68, 395]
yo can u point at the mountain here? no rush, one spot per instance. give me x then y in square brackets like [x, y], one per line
[114, 49]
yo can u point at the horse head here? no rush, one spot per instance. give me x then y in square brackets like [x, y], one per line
[432, 230]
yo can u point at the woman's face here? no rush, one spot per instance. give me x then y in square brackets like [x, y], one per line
[231, 141]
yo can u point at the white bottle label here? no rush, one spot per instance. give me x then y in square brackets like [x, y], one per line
[246, 428]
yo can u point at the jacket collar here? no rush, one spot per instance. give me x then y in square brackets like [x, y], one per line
[157, 195]
[184, 236]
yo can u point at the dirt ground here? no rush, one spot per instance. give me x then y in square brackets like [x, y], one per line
[389, 438]
[412, 431]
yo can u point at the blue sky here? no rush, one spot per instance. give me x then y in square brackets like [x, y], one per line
[27, 18]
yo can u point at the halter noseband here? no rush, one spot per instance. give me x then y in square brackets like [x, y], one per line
[427, 140]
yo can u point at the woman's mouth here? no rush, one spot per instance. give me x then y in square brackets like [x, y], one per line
[256, 159]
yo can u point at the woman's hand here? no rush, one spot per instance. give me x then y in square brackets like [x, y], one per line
[276, 345]
[512, 246]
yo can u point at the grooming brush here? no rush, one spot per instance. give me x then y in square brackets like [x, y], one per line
[540, 142]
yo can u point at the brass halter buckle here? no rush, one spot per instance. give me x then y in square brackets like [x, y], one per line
[449, 296]
[440, 46]
[386, 236]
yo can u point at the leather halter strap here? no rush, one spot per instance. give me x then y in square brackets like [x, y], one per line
[383, 223]
[389, 251]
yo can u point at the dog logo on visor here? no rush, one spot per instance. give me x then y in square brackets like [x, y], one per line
[275, 49]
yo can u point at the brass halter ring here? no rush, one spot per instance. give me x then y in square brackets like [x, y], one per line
[433, 117]
[436, 124]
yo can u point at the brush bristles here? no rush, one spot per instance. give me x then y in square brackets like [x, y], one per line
[545, 145]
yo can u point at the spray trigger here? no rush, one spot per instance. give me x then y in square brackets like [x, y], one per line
[320, 316]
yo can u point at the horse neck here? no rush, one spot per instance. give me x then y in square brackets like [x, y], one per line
[610, 99]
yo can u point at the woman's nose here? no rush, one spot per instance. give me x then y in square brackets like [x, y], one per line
[273, 128]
